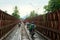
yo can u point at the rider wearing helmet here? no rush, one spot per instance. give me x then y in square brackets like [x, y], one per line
[32, 29]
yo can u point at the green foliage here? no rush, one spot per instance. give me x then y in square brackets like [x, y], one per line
[53, 5]
[16, 10]
[15, 13]
[32, 14]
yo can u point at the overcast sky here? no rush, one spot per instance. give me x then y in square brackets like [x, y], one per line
[24, 6]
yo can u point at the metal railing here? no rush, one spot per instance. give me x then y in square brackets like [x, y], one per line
[7, 22]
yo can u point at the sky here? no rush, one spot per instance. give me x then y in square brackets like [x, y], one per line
[24, 6]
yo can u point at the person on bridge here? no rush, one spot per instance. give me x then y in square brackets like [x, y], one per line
[19, 24]
[28, 25]
[32, 29]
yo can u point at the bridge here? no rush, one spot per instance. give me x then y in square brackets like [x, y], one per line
[48, 27]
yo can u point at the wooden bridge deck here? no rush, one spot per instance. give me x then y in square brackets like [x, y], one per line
[21, 33]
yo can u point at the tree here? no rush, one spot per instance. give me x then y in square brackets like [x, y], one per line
[53, 5]
[32, 14]
[16, 13]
